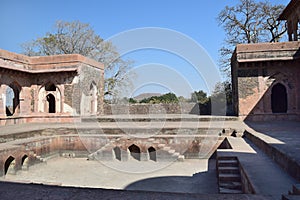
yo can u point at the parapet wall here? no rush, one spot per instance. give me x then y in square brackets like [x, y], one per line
[145, 109]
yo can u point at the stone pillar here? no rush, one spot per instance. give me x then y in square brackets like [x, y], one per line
[2, 101]
[290, 30]
[144, 156]
[125, 155]
[295, 29]
[101, 94]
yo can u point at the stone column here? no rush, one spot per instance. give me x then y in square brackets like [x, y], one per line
[101, 94]
[2, 103]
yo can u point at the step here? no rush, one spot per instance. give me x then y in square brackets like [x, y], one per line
[176, 154]
[229, 191]
[227, 163]
[227, 158]
[296, 189]
[167, 148]
[229, 178]
[161, 145]
[231, 185]
[171, 151]
[229, 170]
[290, 197]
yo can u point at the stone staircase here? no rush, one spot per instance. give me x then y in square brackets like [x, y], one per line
[229, 177]
[105, 152]
[165, 153]
[293, 194]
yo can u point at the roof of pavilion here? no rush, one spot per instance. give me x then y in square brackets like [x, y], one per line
[45, 64]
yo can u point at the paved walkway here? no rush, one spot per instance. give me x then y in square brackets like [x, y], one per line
[265, 175]
[284, 135]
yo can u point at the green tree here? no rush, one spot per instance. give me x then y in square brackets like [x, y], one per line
[166, 98]
[222, 96]
[248, 22]
[132, 101]
[199, 97]
[79, 38]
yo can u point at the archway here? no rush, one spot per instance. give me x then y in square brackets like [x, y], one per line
[50, 87]
[12, 99]
[25, 162]
[9, 166]
[51, 103]
[117, 152]
[135, 152]
[279, 99]
[152, 153]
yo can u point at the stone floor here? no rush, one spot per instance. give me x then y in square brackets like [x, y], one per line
[262, 170]
[10, 191]
[284, 135]
[191, 176]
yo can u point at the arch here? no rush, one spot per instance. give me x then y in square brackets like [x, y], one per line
[152, 153]
[25, 161]
[45, 98]
[50, 87]
[51, 103]
[279, 101]
[9, 166]
[12, 103]
[117, 152]
[135, 152]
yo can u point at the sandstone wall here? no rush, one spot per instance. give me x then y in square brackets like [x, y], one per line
[181, 108]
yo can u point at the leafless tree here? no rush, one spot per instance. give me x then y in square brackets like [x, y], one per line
[248, 22]
[79, 38]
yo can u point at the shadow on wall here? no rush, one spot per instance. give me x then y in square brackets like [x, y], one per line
[181, 184]
[277, 104]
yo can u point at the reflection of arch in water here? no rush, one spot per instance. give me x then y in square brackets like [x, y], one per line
[152, 153]
[279, 100]
[135, 152]
[117, 152]
[12, 101]
[9, 166]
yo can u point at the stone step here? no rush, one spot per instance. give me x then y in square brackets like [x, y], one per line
[172, 151]
[290, 197]
[296, 189]
[223, 178]
[227, 163]
[167, 148]
[180, 158]
[229, 191]
[161, 145]
[229, 170]
[227, 158]
[231, 185]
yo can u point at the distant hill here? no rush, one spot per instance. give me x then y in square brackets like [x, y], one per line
[146, 95]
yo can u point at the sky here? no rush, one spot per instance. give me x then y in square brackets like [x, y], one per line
[171, 67]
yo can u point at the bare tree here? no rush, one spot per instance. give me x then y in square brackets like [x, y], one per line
[79, 38]
[248, 22]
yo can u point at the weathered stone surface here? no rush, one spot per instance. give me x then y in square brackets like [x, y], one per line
[48, 88]
[256, 69]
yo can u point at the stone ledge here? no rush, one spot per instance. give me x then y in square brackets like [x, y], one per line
[39, 64]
